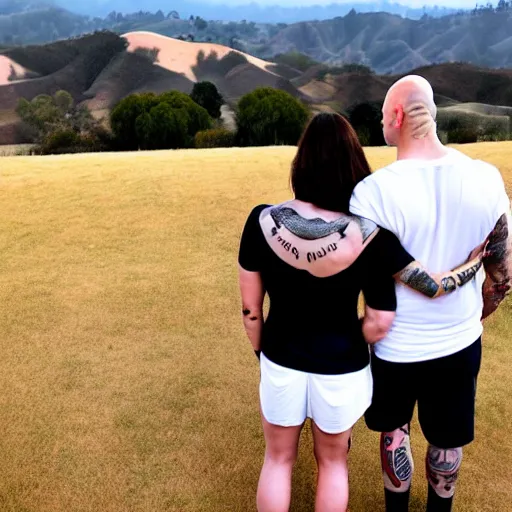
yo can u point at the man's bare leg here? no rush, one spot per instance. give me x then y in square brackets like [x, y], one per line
[443, 467]
[397, 468]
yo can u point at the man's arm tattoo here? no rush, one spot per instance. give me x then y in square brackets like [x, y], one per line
[467, 274]
[497, 263]
[434, 285]
[420, 280]
[449, 284]
[498, 249]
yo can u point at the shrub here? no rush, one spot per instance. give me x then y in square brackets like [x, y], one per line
[463, 135]
[60, 141]
[358, 69]
[65, 140]
[462, 127]
[366, 121]
[269, 116]
[215, 138]
[295, 60]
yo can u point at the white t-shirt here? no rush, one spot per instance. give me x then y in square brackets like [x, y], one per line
[440, 210]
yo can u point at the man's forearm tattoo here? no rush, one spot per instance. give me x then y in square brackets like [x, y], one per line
[466, 275]
[449, 284]
[416, 277]
[443, 469]
[419, 279]
[308, 229]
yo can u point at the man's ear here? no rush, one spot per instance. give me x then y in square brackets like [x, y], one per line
[399, 116]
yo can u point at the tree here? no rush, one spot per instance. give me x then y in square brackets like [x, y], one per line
[207, 96]
[63, 101]
[162, 128]
[197, 117]
[269, 116]
[42, 114]
[366, 121]
[148, 121]
[58, 126]
[149, 53]
[124, 116]
[200, 24]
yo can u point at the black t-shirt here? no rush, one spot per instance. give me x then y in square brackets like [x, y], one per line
[313, 325]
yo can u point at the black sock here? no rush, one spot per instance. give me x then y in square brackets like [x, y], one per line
[397, 501]
[437, 504]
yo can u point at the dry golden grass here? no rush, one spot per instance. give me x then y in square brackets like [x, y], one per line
[127, 383]
[15, 149]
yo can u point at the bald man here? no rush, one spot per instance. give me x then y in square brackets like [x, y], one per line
[441, 204]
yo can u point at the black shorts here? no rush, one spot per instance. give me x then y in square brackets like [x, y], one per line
[444, 388]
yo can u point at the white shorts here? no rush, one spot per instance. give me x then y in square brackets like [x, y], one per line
[334, 402]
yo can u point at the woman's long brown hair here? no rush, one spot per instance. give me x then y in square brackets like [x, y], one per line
[329, 163]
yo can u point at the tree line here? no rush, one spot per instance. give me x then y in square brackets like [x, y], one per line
[172, 120]
[175, 120]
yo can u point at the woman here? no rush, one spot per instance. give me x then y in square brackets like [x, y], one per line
[313, 259]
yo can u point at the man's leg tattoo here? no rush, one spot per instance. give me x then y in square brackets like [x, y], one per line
[397, 461]
[443, 469]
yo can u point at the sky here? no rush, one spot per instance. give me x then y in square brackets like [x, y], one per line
[411, 3]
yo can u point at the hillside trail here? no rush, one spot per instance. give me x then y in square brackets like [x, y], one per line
[227, 115]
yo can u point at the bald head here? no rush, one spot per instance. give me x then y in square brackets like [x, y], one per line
[415, 97]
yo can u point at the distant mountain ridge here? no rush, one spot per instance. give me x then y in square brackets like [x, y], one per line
[252, 11]
[385, 42]
[391, 44]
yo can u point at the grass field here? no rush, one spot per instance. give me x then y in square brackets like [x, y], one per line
[15, 150]
[127, 383]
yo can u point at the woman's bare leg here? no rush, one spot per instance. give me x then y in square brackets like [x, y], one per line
[331, 451]
[274, 488]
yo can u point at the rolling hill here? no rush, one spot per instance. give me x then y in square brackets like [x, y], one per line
[103, 68]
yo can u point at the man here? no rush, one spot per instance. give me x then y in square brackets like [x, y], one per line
[441, 205]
